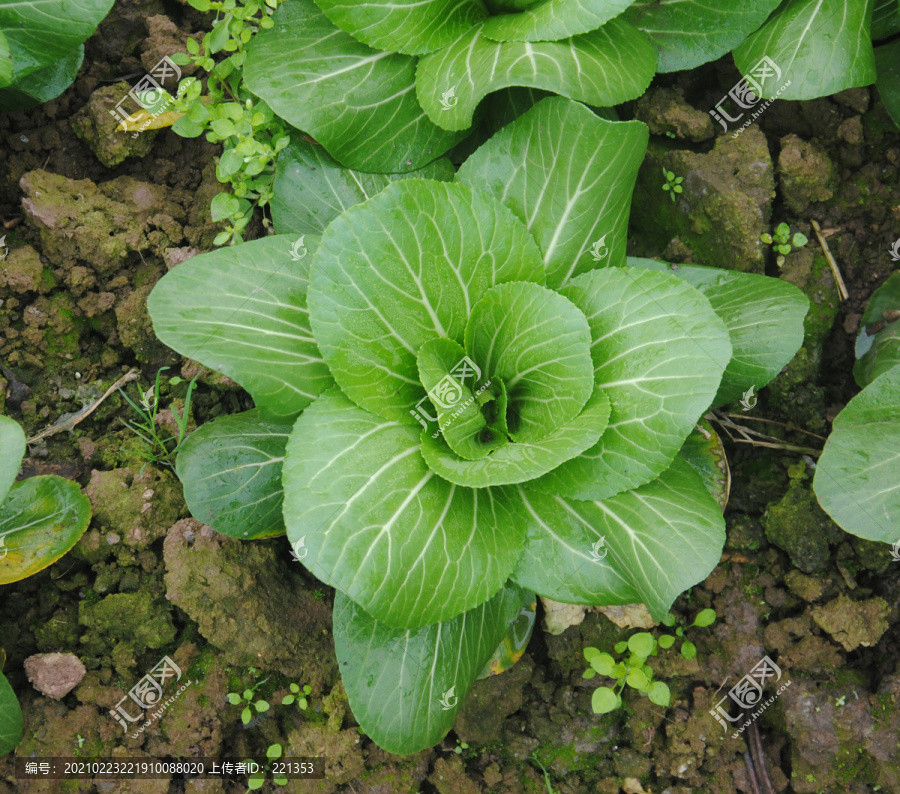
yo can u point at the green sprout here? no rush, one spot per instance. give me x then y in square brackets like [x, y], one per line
[296, 695]
[250, 133]
[673, 183]
[247, 697]
[533, 757]
[154, 448]
[633, 670]
[782, 242]
[256, 780]
[460, 746]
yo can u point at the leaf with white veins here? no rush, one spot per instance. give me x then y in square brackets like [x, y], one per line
[252, 324]
[407, 546]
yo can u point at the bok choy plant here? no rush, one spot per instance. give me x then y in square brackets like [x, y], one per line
[462, 387]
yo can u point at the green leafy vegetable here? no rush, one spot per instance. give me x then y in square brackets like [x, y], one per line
[688, 33]
[41, 518]
[821, 48]
[11, 726]
[40, 47]
[878, 342]
[492, 420]
[856, 477]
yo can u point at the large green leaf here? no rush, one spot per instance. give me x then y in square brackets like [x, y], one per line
[655, 541]
[659, 352]
[519, 462]
[6, 64]
[605, 67]
[409, 547]
[763, 315]
[551, 20]
[404, 268]
[688, 33]
[820, 47]
[406, 686]
[704, 452]
[887, 59]
[231, 472]
[311, 189]
[11, 726]
[41, 32]
[885, 19]
[12, 442]
[568, 175]
[40, 520]
[878, 342]
[539, 344]
[857, 478]
[408, 26]
[43, 84]
[251, 324]
[359, 103]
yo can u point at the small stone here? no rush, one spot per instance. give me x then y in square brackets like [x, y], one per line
[54, 674]
[809, 588]
[145, 507]
[853, 623]
[112, 538]
[148, 494]
[851, 130]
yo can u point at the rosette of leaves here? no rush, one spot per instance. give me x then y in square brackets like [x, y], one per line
[389, 86]
[41, 47]
[455, 403]
[857, 476]
[41, 518]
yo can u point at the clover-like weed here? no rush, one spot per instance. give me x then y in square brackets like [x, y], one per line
[633, 669]
[259, 705]
[782, 242]
[672, 183]
[297, 695]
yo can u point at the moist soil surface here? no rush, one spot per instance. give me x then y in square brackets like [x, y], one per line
[93, 220]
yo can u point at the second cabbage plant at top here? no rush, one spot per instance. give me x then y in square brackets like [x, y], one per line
[483, 406]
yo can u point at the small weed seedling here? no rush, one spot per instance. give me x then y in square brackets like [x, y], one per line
[633, 670]
[298, 696]
[250, 133]
[247, 697]
[256, 780]
[781, 241]
[673, 183]
[533, 757]
[154, 447]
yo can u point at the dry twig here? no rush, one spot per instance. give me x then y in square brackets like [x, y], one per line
[839, 279]
[69, 423]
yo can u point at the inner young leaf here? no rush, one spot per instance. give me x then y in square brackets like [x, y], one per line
[469, 414]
